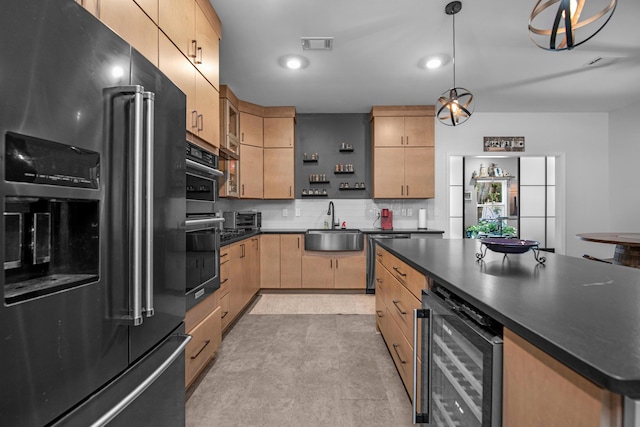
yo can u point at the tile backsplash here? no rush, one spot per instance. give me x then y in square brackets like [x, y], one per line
[357, 213]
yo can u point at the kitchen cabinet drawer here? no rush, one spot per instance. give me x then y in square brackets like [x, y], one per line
[412, 279]
[201, 310]
[206, 338]
[225, 271]
[401, 351]
[225, 311]
[381, 308]
[401, 304]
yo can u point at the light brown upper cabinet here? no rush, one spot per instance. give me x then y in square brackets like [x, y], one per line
[403, 154]
[150, 7]
[279, 132]
[251, 172]
[279, 154]
[130, 22]
[403, 126]
[279, 176]
[251, 124]
[194, 27]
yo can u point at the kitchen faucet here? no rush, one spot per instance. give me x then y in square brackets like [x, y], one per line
[332, 212]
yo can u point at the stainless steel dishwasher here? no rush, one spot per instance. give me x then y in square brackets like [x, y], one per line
[371, 256]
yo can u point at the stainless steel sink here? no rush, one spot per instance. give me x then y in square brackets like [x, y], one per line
[334, 240]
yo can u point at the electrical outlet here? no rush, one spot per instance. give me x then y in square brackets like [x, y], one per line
[409, 212]
[297, 211]
[285, 212]
[377, 212]
[404, 212]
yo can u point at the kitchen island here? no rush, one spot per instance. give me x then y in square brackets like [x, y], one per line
[580, 313]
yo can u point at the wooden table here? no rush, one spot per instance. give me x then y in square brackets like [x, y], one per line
[627, 246]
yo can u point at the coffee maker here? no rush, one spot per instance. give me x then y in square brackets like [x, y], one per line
[386, 220]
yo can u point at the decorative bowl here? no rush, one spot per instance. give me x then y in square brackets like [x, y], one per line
[509, 246]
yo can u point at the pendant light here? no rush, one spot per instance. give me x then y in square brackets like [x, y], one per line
[570, 23]
[455, 106]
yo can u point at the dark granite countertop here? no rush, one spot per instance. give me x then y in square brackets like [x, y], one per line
[586, 314]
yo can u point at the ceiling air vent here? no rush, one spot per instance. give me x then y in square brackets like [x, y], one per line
[317, 43]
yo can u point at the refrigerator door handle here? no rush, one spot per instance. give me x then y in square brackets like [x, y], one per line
[138, 195]
[135, 393]
[149, 98]
[422, 416]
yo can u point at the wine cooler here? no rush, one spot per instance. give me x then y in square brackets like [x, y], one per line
[459, 379]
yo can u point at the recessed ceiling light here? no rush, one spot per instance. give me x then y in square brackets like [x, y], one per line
[433, 63]
[293, 62]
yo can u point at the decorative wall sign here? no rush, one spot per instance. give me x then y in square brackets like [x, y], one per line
[504, 143]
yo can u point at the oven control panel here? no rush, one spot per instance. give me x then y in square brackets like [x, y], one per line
[200, 155]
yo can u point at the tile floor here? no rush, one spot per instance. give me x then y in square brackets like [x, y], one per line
[325, 367]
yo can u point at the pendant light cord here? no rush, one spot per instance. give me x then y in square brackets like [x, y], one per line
[454, 50]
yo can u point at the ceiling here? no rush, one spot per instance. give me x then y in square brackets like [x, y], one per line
[379, 46]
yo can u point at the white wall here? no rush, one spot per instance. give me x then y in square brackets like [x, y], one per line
[580, 139]
[624, 159]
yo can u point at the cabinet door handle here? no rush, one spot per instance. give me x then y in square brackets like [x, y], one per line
[379, 280]
[400, 272]
[379, 313]
[298, 243]
[224, 314]
[200, 120]
[395, 302]
[242, 138]
[206, 343]
[243, 189]
[402, 190]
[224, 281]
[407, 140]
[194, 119]
[331, 263]
[289, 191]
[407, 191]
[401, 140]
[192, 51]
[395, 347]
[198, 56]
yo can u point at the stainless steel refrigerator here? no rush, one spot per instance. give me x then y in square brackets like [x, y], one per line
[92, 184]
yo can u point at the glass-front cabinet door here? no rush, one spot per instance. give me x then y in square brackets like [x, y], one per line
[233, 127]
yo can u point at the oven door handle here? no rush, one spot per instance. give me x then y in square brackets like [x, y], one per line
[422, 416]
[203, 168]
[201, 223]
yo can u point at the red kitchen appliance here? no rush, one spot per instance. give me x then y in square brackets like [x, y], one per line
[386, 220]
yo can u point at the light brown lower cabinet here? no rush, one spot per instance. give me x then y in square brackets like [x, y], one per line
[334, 270]
[281, 261]
[395, 302]
[538, 390]
[203, 322]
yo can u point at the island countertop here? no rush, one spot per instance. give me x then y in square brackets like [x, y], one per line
[585, 314]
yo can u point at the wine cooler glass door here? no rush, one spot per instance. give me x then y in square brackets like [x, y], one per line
[461, 381]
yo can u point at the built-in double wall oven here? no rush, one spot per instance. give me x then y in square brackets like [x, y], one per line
[202, 225]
